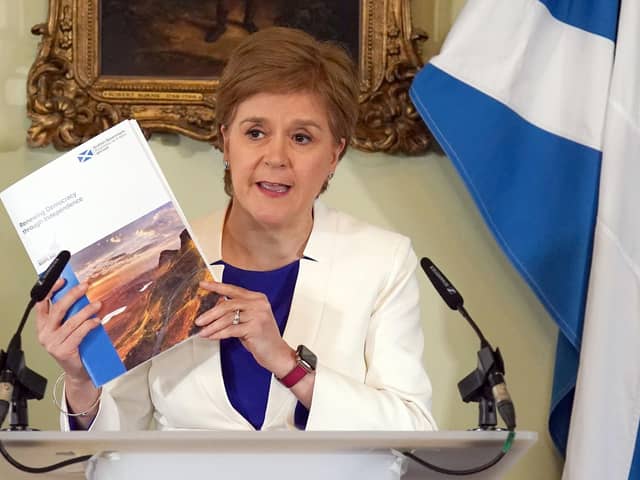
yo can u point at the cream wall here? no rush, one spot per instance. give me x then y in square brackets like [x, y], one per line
[422, 197]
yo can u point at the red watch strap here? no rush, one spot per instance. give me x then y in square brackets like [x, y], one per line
[294, 376]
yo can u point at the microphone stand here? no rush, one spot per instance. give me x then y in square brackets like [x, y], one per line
[18, 383]
[484, 385]
[478, 386]
[26, 383]
[16, 380]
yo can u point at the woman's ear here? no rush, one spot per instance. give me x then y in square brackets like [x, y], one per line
[225, 137]
[340, 146]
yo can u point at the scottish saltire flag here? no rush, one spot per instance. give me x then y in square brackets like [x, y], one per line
[604, 424]
[518, 98]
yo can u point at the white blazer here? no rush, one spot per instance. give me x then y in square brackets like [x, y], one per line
[355, 305]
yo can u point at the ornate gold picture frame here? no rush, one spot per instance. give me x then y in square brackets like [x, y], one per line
[76, 88]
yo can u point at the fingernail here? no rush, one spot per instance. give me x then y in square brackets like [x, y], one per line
[198, 321]
[97, 304]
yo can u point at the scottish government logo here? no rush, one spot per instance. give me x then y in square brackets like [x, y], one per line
[85, 156]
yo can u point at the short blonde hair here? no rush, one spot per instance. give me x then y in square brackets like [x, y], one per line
[287, 60]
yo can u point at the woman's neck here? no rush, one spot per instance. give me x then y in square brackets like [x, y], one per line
[250, 245]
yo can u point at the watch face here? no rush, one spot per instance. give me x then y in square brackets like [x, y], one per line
[307, 357]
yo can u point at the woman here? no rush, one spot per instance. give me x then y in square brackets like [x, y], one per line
[319, 326]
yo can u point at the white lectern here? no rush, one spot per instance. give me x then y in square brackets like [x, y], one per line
[266, 455]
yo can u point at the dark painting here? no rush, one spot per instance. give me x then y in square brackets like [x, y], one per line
[193, 38]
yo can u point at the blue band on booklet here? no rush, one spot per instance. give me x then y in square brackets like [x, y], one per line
[99, 357]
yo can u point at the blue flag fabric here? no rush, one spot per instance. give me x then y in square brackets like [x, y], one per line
[517, 99]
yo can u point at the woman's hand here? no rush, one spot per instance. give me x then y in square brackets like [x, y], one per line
[61, 340]
[257, 328]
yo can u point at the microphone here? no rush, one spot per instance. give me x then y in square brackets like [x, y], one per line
[490, 372]
[450, 295]
[49, 277]
[443, 286]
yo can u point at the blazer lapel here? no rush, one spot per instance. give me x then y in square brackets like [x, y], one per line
[307, 305]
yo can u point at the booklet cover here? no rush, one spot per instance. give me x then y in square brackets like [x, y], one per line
[108, 203]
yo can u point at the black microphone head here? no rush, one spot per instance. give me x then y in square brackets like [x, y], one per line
[447, 291]
[49, 276]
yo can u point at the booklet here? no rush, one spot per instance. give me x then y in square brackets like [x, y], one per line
[108, 203]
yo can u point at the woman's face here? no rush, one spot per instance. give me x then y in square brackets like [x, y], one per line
[280, 151]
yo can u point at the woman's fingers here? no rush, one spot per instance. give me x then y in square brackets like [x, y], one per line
[42, 310]
[69, 346]
[59, 283]
[58, 310]
[42, 307]
[52, 338]
[222, 309]
[226, 326]
[236, 298]
[77, 320]
[220, 323]
[229, 331]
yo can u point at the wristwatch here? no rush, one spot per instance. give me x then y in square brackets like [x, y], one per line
[306, 364]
